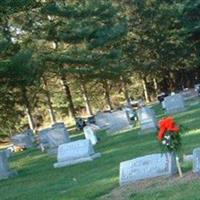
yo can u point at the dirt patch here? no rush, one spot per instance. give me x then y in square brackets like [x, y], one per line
[124, 193]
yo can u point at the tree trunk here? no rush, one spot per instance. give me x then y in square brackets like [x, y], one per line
[48, 100]
[125, 90]
[86, 98]
[144, 83]
[155, 86]
[107, 94]
[68, 95]
[172, 81]
[28, 108]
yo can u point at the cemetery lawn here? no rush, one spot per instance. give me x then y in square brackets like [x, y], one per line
[38, 180]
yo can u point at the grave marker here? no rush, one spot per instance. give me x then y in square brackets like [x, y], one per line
[145, 167]
[174, 103]
[147, 120]
[5, 171]
[75, 152]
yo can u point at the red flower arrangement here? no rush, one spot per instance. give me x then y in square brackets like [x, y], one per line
[170, 138]
[165, 125]
[168, 134]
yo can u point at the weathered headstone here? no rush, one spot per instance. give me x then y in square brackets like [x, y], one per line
[24, 139]
[51, 138]
[147, 120]
[196, 160]
[101, 120]
[145, 167]
[113, 121]
[174, 103]
[5, 171]
[75, 152]
[188, 94]
[90, 134]
[118, 120]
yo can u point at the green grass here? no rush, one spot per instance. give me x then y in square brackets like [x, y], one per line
[38, 180]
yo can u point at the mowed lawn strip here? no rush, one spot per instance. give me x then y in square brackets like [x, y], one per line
[37, 179]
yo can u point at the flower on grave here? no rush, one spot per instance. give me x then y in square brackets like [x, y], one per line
[169, 135]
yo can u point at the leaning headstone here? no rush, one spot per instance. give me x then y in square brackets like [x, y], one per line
[147, 120]
[174, 103]
[196, 160]
[90, 134]
[5, 171]
[75, 152]
[146, 167]
[24, 139]
[51, 138]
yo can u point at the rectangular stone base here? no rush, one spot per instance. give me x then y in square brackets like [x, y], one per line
[73, 162]
[5, 175]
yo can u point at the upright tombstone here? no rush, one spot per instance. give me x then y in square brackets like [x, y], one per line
[174, 103]
[147, 120]
[51, 138]
[113, 121]
[188, 94]
[196, 160]
[5, 171]
[146, 167]
[75, 152]
[101, 120]
[24, 139]
[90, 135]
[118, 120]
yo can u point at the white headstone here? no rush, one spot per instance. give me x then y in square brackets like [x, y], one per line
[24, 139]
[174, 103]
[75, 152]
[147, 167]
[90, 135]
[5, 172]
[147, 120]
[196, 160]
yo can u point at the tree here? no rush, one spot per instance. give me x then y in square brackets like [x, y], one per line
[86, 37]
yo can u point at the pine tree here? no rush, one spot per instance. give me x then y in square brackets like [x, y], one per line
[85, 33]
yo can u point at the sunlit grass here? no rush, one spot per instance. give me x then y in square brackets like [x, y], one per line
[38, 180]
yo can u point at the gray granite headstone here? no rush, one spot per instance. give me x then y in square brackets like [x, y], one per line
[147, 120]
[118, 120]
[146, 167]
[196, 160]
[113, 121]
[5, 171]
[51, 138]
[24, 139]
[174, 103]
[75, 152]
[90, 134]
[189, 94]
[101, 120]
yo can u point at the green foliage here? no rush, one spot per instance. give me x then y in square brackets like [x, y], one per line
[191, 19]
